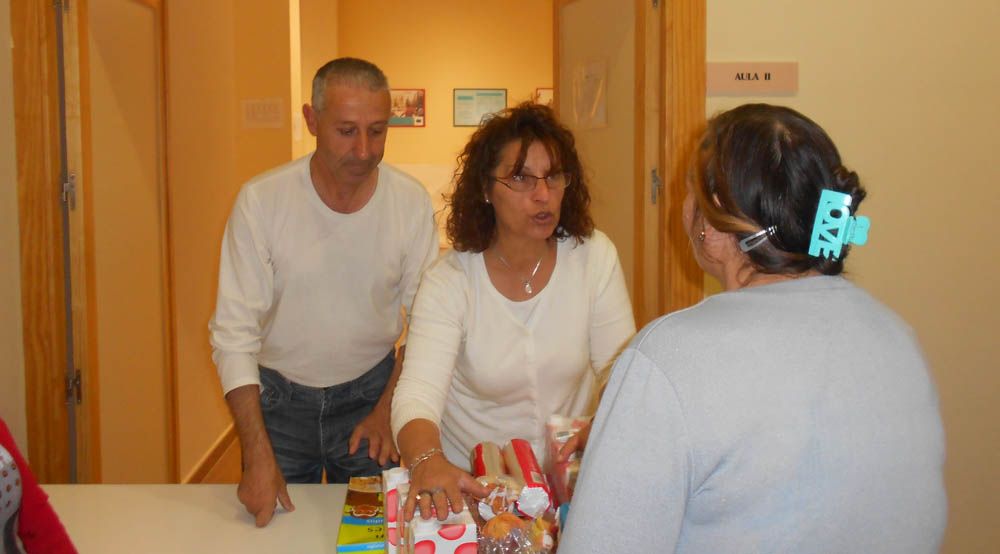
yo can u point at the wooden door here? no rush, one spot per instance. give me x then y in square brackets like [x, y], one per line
[618, 88]
[46, 322]
[105, 134]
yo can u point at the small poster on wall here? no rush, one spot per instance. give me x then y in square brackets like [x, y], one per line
[407, 107]
[475, 105]
[544, 96]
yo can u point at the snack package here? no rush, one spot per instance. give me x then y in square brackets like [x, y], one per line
[395, 485]
[516, 517]
[486, 462]
[535, 498]
[488, 468]
[362, 525]
[562, 476]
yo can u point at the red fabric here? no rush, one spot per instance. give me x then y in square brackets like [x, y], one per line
[38, 526]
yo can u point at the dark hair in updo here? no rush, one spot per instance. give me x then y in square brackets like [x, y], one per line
[760, 166]
[471, 224]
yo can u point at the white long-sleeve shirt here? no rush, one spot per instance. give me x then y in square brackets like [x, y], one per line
[313, 293]
[481, 372]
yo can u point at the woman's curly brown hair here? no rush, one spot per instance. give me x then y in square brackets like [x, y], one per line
[471, 222]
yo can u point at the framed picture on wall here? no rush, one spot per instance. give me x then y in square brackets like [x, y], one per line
[408, 107]
[544, 96]
[472, 106]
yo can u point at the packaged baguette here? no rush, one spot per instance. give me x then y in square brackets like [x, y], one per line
[535, 497]
[489, 469]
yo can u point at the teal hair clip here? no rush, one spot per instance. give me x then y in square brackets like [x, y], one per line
[835, 227]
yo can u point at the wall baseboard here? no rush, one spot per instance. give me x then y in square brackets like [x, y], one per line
[221, 464]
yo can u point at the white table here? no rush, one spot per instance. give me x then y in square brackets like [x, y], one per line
[193, 518]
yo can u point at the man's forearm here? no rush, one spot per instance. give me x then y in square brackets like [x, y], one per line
[385, 401]
[244, 404]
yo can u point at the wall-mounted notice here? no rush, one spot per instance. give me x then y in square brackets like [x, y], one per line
[752, 78]
[263, 113]
[408, 107]
[474, 105]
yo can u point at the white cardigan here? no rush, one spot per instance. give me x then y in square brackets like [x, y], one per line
[481, 374]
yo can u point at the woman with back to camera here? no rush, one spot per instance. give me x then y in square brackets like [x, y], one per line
[520, 320]
[792, 412]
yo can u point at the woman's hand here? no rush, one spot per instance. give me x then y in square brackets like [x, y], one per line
[437, 483]
[576, 443]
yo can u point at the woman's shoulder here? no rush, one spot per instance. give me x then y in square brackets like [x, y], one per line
[595, 248]
[453, 265]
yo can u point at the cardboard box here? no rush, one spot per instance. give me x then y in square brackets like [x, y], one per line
[455, 535]
[362, 524]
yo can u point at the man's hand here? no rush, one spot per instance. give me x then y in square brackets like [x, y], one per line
[375, 427]
[261, 482]
[260, 485]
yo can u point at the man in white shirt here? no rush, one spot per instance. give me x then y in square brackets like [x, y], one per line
[318, 259]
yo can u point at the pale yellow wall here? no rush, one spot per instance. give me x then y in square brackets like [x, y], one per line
[443, 45]
[11, 340]
[907, 89]
[221, 53]
[202, 117]
[317, 45]
[261, 41]
[128, 267]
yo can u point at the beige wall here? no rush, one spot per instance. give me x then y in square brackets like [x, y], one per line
[907, 89]
[440, 46]
[11, 341]
[221, 53]
[125, 189]
[202, 116]
[317, 45]
[261, 45]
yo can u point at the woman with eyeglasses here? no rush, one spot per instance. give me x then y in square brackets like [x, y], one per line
[519, 321]
[792, 412]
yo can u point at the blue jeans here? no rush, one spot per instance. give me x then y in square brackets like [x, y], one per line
[310, 427]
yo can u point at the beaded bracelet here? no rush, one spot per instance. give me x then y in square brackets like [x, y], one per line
[424, 457]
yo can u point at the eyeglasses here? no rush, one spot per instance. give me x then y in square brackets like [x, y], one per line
[527, 183]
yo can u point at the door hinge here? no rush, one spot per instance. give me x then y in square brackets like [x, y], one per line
[656, 185]
[64, 4]
[74, 388]
[656, 4]
[69, 192]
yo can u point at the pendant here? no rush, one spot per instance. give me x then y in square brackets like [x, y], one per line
[527, 287]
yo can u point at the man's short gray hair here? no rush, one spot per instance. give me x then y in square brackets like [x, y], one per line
[351, 71]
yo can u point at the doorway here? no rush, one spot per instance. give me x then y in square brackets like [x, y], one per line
[94, 239]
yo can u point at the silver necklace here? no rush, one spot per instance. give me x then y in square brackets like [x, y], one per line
[526, 282]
